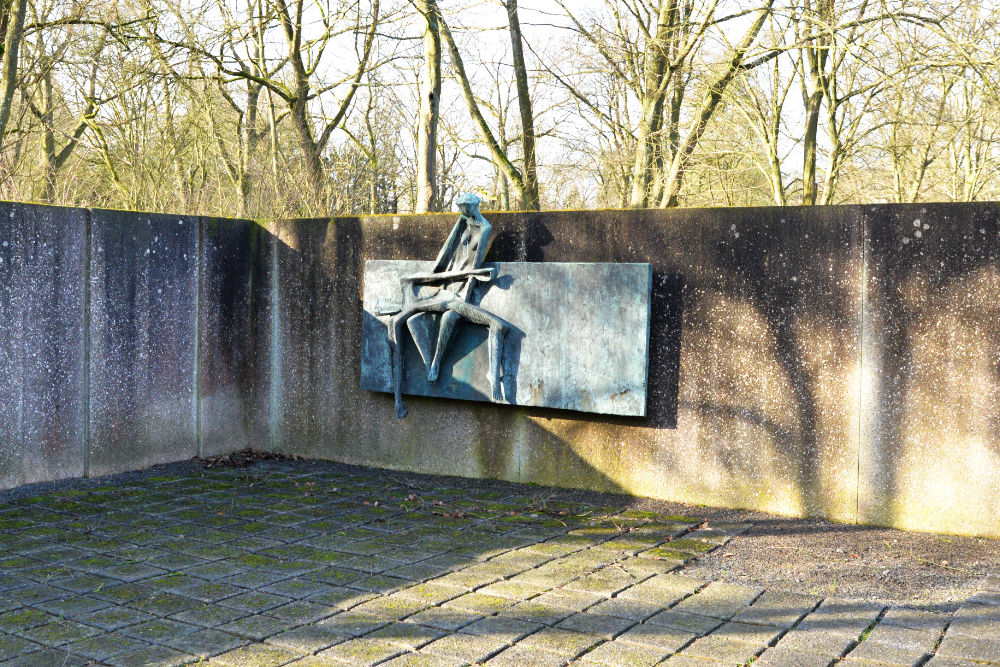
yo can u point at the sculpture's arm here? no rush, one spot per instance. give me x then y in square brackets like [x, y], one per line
[448, 276]
[448, 249]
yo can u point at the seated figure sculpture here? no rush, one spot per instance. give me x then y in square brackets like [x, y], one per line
[447, 290]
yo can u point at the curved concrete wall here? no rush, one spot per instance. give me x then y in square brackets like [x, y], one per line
[832, 361]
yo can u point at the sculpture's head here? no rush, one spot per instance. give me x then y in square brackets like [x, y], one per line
[468, 204]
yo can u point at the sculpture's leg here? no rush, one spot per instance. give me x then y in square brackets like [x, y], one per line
[396, 347]
[447, 329]
[498, 328]
[497, 332]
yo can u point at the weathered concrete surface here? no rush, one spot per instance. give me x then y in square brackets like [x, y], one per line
[578, 337]
[143, 340]
[234, 333]
[930, 456]
[42, 251]
[753, 379]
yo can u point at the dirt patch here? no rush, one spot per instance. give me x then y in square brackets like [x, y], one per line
[936, 572]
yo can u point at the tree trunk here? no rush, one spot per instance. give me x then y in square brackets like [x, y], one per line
[675, 177]
[8, 64]
[529, 189]
[652, 104]
[430, 110]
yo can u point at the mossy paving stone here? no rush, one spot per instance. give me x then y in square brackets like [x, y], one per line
[351, 624]
[395, 607]
[11, 646]
[209, 615]
[297, 588]
[59, 633]
[444, 618]
[408, 635]
[49, 658]
[101, 647]
[256, 628]
[205, 643]
[816, 641]
[160, 630]
[212, 571]
[342, 598]
[467, 648]
[687, 622]
[165, 604]
[113, 618]
[32, 595]
[253, 579]
[301, 611]
[480, 603]
[255, 655]
[563, 642]
[73, 606]
[254, 601]
[364, 651]
[307, 639]
[211, 591]
[518, 656]
[533, 611]
[24, 618]
[152, 656]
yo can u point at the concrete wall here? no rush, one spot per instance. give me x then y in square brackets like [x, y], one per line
[807, 361]
[42, 343]
[129, 339]
[834, 361]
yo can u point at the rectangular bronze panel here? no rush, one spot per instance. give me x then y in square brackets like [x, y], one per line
[578, 338]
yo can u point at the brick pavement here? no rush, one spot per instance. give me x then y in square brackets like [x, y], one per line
[293, 563]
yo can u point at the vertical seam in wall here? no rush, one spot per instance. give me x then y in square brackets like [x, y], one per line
[274, 384]
[861, 361]
[87, 241]
[197, 336]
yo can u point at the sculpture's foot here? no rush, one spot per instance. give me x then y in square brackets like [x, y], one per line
[497, 389]
[432, 373]
[400, 410]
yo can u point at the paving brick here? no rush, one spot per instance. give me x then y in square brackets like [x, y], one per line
[11, 646]
[564, 642]
[152, 656]
[607, 627]
[509, 630]
[659, 636]
[869, 652]
[985, 647]
[104, 646]
[255, 655]
[206, 643]
[680, 620]
[468, 648]
[916, 619]
[818, 641]
[364, 651]
[635, 610]
[717, 648]
[904, 638]
[782, 657]
[408, 635]
[757, 635]
[720, 600]
[518, 656]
